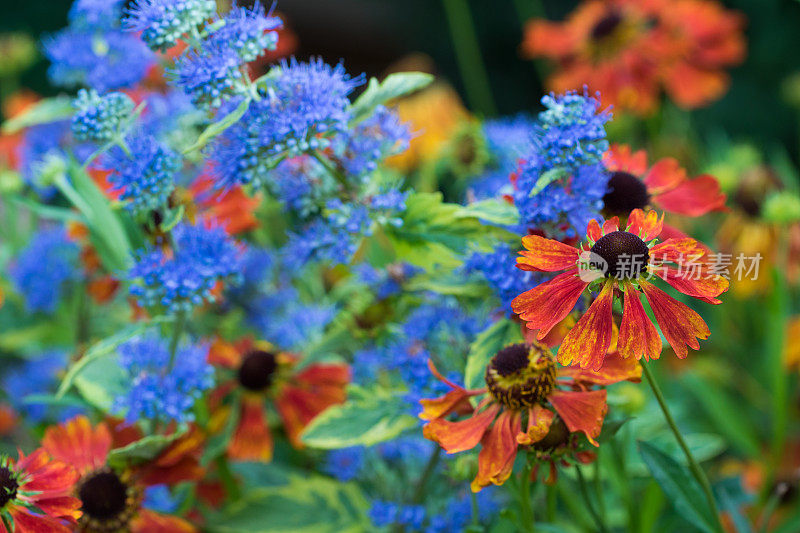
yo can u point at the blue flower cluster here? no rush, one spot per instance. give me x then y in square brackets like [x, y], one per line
[499, 269]
[210, 75]
[304, 105]
[344, 464]
[37, 375]
[508, 141]
[43, 269]
[380, 135]
[38, 142]
[288, 323]
[145, 173]
[158, 392]
[248, 31]
[163, 22]
[385, 282]
[99, 118]
[94, 51]
[383, 514]
[563, 179]
[178, 281]
[458, 515]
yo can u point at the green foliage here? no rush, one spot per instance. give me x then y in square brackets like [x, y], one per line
[217, 128]
[679, 486]
[367, 418]
[307, 503]
[43, 112]
[394, 86]
[142, 450]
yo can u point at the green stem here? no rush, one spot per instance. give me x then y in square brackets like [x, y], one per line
[589, 505]
[430, 468]
[552, 501]
[598, 487]
[338, 176]
[180, 323]
[697, 472]
[468, 55]
[476, 512]
[227, 479]
[526, 516]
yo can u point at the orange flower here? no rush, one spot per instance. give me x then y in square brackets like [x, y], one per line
[233, 209]
[629, 49]
[111, 498]
[298, 395]
[8, 419]
[523, 381]
[664, 185]
[619, 260]
[35, 494]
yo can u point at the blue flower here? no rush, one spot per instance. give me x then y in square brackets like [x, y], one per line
[163, 22]
[508, 140]
[145, 176]
[38, 375]
[210, 75]
[288, 323]
[383, 513]
[501, 273]
[373, 139]
[43, 269]
[344, 464]
[101, 60]
[201, 257]
[159, 498]
[304, 105]
[248, 31]
[563, 178]
[96, 13]
[458, 515]
[99, 118]
[158, 392]
[38, 142]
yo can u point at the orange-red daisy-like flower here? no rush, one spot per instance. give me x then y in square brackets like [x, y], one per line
[110, 498]
[629, 49]
[264, 375]
[612, 260]
[664, 186]
[36, 494]
[523, 381]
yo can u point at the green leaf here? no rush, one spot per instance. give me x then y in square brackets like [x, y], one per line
[679, 486]
[48, 212]
[142, 450]
[101, 381]
[218, 443]
[365, 419]
[307, 504]
[486, 345]
[547, 178]
[492, 211]
[217, 128]
[43, 112]
[610, 428]
[102, 349]
[393, 86]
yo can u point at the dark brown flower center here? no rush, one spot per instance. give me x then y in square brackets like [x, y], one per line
[606, 25]
[520, 375]
[623, 254]
[104, 496]
[8, 486]
[625, 193]
[257, 370]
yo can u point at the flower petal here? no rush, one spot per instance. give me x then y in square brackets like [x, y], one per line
[666, 174]
[252, 440]
[637, 335]
[498, 451]
[587, 343]
[77, 444]
[648, 226]
[550, 302]
[699, 283]
[539, 420]
[611, 225]
[681, 325]
[147, 521]
[620, 157]
[546, 255]
[692, 197]
[463, 435]
[26, 522]
[593, 232]
[581, 410]
[614, 370]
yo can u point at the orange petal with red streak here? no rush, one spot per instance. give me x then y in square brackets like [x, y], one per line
[550, 302]
[463, 435]
[621, 157]
[693, 197]
[648, 226]
[587, 343]
[539, 420]
[498, 451]
[637, 335]
[699, 283]
[614, 370]
[252, 440]
[666, 174]
[546, 255]
[681, 325]
[151, 522]
[442, 406]
[24, 522]
[581, 410]
[77, 444]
